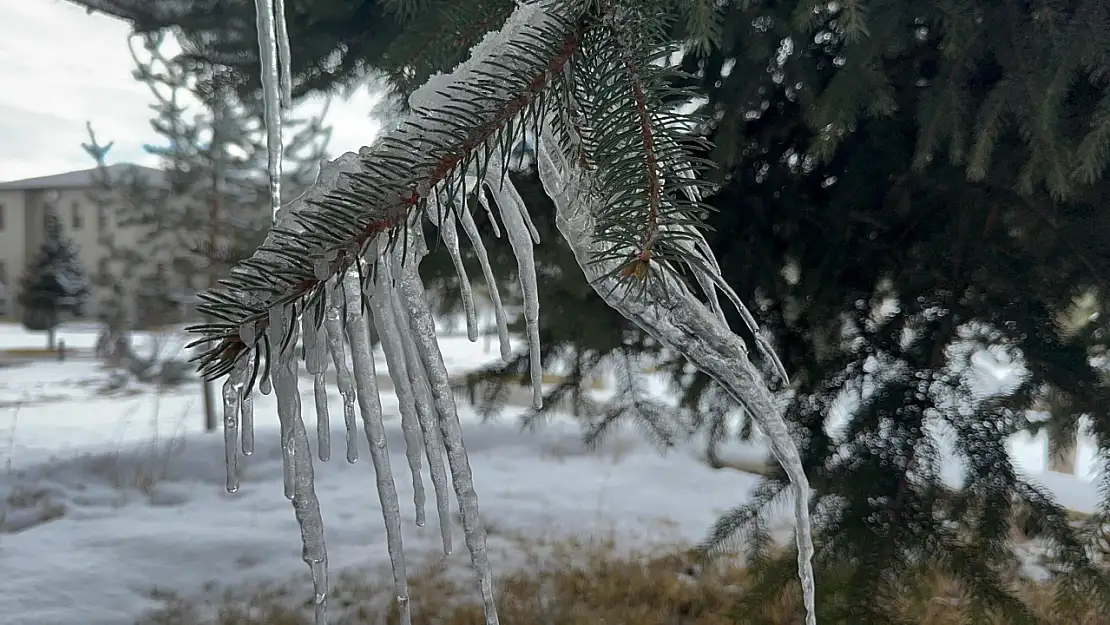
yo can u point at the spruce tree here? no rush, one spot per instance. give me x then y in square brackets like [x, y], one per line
[54, 284]
[899, 181]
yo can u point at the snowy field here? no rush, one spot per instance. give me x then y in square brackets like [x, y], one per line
[105, 498]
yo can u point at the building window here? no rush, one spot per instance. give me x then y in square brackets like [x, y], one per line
[76, 217]
[3, 273]
[102, 219]
[1, 216]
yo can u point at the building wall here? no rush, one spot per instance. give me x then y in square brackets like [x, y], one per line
[12, 248]
[82, 220]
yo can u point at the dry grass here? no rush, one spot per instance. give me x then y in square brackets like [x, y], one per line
[570, 583]
[30, 352]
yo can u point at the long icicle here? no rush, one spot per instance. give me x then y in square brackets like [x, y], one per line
[445, 218]
[232, 390]
[422, 399]
[297, 455]
[316, 363]
[246, 407]
[500, 317]
[281, 33]
[271, 94]
[381, 310]
[369, 403]
[422, 324]
[333, 328]
[511, 207]
[276, 362]
[246, 391]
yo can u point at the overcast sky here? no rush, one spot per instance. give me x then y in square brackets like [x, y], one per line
[60, 67]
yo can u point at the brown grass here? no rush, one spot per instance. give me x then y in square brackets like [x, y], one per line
[570, 583]
[30, 352]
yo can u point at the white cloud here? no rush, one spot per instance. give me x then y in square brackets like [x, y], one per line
[61, 67]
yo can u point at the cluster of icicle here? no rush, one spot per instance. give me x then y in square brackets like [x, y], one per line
[399, 311]
[429, 419]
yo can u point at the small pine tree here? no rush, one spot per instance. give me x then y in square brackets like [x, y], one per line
[54, 284]
[208, 207]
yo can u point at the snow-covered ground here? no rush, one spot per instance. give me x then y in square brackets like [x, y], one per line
[104, 499]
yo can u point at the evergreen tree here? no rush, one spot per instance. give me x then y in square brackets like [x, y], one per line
[207, 206]
[54, 284]
[899, 181]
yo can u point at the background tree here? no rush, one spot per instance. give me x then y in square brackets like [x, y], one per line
[205, 208]
[903, 184]
[54, 284]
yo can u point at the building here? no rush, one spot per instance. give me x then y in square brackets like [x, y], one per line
[23, 205]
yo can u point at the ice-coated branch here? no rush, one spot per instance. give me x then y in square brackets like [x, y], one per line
[360, 197]
[671, 314]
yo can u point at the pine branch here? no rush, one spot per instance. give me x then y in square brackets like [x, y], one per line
[669, 312]
[361, 199]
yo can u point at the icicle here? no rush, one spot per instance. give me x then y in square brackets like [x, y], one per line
[362, 359]
[422, 327]
[444, 219]
[284, 67]
[710, 281]
[333, 328]
[381, 309]
[489, 213]
[512, 210]
[271, 94]
[246, 405]
[672, 315]
[475, 237]
[264, 385]
[417, 384]
[277, 358]
[232, 389]
[297, 459]
[316, 363]
[532, 232]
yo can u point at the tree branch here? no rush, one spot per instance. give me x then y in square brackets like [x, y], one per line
[358, 197]
[670, 313]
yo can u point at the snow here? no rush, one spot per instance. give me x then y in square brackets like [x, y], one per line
[117, 515]
[106, 498]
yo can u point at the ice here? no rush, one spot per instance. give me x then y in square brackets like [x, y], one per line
[333, 328]
[246, 410]
[418, 385]
[316, 363]
[475, 237]
[298, 473]
[281, 32]
[232, 390]
[512, 209]
[362, 358]
[414, 300]
[673, 316]
[283, 357]
[444, 219]
[392, 344]
[271, 93]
